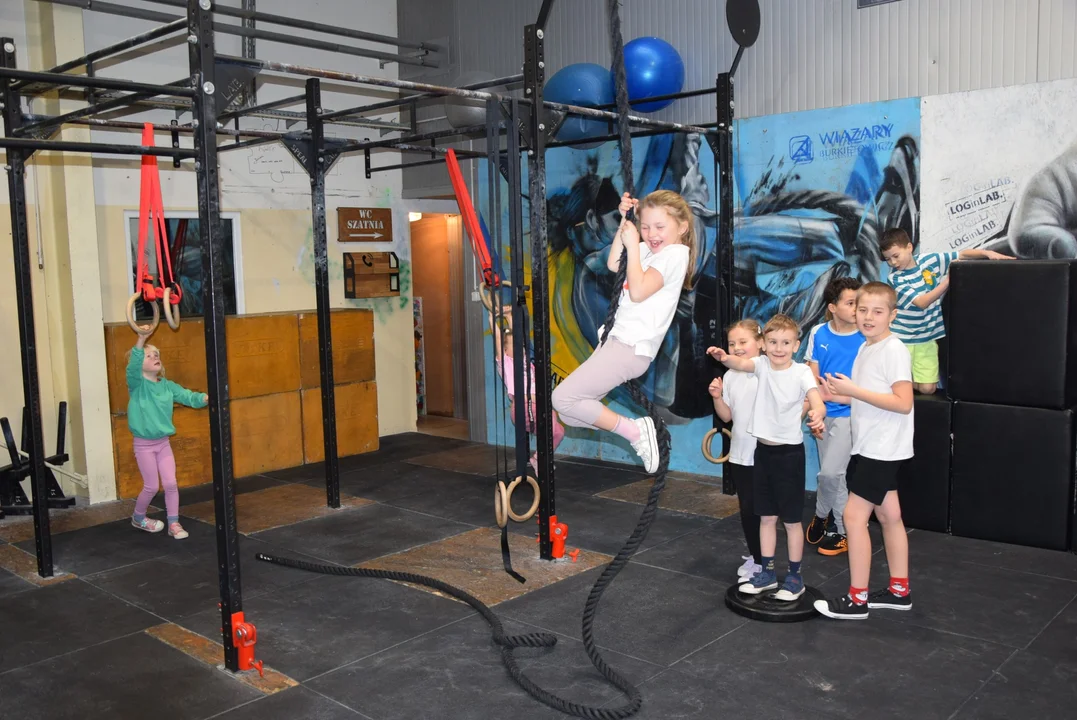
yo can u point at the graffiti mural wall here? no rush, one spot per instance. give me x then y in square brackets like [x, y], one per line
[1000, 170]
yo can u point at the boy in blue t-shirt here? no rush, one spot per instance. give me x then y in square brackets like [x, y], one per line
[920, 282]
[832, 348]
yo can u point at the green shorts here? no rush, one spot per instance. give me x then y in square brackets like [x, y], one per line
[925, 361]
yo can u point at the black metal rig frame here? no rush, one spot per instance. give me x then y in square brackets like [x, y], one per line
[522, 120]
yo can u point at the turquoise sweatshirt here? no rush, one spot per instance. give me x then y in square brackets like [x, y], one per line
[149, 411]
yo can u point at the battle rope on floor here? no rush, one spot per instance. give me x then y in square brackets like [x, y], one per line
[508, 643]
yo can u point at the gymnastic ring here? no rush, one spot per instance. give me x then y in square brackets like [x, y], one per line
[534, 503]
[131, 316]
[708, 439]
[486, 294]
[501, 504]
[172, 317]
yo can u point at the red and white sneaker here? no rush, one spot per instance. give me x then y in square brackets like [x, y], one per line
[176, 530]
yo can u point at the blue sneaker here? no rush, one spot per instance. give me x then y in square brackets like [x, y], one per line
[792, 588]
[761, 582]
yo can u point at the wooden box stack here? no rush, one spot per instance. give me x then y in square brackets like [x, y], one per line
[274, 384]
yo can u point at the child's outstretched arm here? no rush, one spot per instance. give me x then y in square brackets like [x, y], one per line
[613, 260]
[716, 389]
[982, 255]
[134, 362]
[731, 361]
[898, 400]
[187, 397]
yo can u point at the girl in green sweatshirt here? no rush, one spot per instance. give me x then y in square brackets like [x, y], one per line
[149, 416]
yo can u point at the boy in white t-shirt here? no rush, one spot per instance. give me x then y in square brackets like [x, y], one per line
[881, 391]
[778, 477]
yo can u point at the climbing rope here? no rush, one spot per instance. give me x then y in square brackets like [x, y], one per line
[508, 643]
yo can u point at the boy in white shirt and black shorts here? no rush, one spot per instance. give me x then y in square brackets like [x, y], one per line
[881, 390]
[778, 478]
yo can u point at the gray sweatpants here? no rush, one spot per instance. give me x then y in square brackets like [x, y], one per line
[834, 450]
[578, 398]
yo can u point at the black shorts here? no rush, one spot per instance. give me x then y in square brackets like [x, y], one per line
[739, 476]
[779, 481]
[872, 479]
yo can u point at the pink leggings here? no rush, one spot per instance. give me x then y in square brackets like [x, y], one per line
[558, 428]
[155, 458]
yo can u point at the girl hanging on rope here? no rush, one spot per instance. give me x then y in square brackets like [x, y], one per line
[506, 369]
[659, 255]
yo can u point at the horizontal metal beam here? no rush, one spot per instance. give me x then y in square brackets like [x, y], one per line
[342, 76]
[244, 144]
[403, 166]
[133, 125]
[710, 127]
[432, 135]
[264, 17]
[229, 29]
[61, 80]
[224, 117]
[96, 108]
[659, 98]
[421, 96]
[106, 148]
[114, 49]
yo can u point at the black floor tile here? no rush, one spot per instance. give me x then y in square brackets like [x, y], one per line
[204, 492]
[395, 480]
[310, 629]
[469, 501]
[178, 585]
[1028, 686]
[104, 547]
[591, 479]
[393, 448]
[999, 555]
[62, 618]
[715, 552]
[899, 671]
[979, 601]
[294, 703]
[362, 534]
[648, 613]
[604, 525]
[134, 676]
[11, 584]
[1059, 639]
[676, 696]
[456, 672]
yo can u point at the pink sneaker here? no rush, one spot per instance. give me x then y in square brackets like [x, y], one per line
[148, 524]
[176, 530]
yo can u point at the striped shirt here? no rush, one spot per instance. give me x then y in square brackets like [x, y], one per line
[919, 325]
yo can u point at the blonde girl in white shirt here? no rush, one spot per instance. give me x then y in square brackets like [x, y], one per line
[661, 254]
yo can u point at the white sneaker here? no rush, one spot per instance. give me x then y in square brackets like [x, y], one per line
[647, 446]
[149, 525]
[748, 570]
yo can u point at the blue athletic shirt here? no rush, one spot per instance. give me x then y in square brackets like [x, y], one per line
[919, 325]
[835, 352]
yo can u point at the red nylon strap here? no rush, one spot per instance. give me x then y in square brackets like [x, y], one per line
[151, 209]
[471, 220]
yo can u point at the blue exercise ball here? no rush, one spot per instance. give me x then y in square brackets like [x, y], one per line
[583, 84]
[652, 67]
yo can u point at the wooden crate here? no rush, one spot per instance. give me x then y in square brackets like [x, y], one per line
[263, 355]
[267, 433]
[357, 421]
[353, 347]
[183, 354]
[190, 445]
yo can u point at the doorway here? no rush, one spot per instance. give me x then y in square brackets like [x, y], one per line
[440, 335]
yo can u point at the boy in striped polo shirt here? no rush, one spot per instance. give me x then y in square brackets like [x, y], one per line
[920, 282]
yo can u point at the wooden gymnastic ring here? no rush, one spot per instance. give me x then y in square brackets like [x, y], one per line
[486, 294]
[534, 503]
[172, 316]
[501, 504]
[708, 439]
[131, 316]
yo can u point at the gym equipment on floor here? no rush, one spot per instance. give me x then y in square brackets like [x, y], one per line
[925, 490]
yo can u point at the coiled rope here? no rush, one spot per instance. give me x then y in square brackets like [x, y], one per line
[508, 643]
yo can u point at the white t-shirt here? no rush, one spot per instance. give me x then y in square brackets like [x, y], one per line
[880, 434]
[779, 402]
[643, 324]
[738, 392]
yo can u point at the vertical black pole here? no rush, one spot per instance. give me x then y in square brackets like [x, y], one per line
[20, 242]
[534, 79]
[519, 306]
[724, 296]
[203, 75]
[317, 159]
